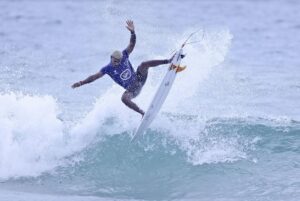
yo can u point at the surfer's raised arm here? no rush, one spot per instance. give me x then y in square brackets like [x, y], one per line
[130, 27]
[90, 79]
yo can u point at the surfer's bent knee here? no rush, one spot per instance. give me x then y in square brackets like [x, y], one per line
[126, 97]
[143, 68]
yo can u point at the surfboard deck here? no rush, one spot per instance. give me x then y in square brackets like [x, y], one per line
[160, 95]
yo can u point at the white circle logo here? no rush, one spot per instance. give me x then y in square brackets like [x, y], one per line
[125, 75]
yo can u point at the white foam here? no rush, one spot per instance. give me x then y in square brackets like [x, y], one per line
[109, 116]
[184, 100]
[31, 133]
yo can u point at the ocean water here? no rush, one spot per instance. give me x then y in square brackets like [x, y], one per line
[228, 131]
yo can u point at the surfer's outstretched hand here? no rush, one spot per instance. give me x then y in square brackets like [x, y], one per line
[77, 84]
[130, 25]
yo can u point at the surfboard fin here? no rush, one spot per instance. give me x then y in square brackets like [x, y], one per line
[178, 68]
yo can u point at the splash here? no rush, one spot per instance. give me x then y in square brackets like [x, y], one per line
[31, 135]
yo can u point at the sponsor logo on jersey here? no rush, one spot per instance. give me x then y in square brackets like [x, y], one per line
[125, 75]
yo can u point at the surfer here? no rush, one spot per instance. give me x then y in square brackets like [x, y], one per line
[122, 72]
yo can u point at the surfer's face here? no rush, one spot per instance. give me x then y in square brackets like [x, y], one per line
[115, 61]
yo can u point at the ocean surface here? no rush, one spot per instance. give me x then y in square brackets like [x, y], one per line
[228, 131]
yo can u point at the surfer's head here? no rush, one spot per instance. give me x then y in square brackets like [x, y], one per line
[116, 57]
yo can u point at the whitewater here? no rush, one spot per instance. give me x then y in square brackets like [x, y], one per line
[228, 131]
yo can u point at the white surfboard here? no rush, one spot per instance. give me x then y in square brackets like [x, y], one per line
[160, 95]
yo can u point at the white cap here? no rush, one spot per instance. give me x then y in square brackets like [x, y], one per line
[117, 54]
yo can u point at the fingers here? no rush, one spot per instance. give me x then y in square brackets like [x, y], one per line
[129, 22]
[130, 25]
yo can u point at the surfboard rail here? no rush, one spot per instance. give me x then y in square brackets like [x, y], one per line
[161, 94]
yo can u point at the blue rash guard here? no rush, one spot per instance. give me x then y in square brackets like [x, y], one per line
[123, 74]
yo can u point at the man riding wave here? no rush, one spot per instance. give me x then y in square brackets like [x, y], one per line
[122, 72]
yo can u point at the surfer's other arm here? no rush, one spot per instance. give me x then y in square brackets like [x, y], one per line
[90, 79]
[130, 27]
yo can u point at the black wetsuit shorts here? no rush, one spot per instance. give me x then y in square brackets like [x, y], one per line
[137, 85]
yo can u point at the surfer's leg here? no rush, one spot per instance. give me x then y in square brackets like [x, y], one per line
[144, 66]
[142, 74]
[126, 99]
